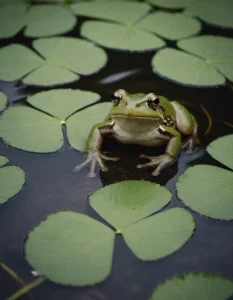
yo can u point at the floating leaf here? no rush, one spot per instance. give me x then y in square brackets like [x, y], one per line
[112, 10]
[185, 68]
[12, 179]
[170, 4]
[46, 20]
[218, 13]
[12, 19]
[71, 248]
[159, 235]
[61, 103]
[3, 160]
[194, 286]
[80, 124]
[124, 203]
[217, 51]
[213, 198]
[171, 26]
[3, 101]
[221, 149]
[119, 36]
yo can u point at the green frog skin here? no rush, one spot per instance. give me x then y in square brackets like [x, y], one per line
[142, 119]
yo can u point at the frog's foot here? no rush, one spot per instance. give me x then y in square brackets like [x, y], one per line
[189, 144]
[160, 161]
[94, 158]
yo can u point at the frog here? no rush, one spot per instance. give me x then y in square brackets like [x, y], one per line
[142, 119]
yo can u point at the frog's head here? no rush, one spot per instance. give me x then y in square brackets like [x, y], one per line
[136, 105]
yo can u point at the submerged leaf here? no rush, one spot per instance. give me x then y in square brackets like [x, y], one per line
[3, 160]
[194, 286]
[159, 235]
[71, 248]
[3, 101]
[213, 198]
[124, 203]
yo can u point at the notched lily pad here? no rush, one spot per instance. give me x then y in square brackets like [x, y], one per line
[71, 248]
[194, 286]
[3, 101]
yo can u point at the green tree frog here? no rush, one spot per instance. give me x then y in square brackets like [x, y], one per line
[143, 119]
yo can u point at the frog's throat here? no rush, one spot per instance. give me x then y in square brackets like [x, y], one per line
[116, 116]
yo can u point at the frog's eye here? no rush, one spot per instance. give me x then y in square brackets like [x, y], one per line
[116, 97]
[153, 101]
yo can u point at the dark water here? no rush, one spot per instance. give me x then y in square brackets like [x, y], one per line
[51, 186]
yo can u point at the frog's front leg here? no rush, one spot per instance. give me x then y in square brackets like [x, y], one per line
[170, 155]
[93, 149]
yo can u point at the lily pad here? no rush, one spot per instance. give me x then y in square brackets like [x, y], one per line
[159, 235]
[12, 179]
[213, 198]
[47, 20]
[80, 124]
[172, 26]
[194, 286]
[124, 203]
[112, 10]
[71, 248]
[185, 68]
[61, 103]
[221, 149]
[12, 19]
[64, 56]
[3, 101]
[3, 160]
[216, 51]
[122, 37]
[170, 4]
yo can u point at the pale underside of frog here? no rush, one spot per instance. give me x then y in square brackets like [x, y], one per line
[142, 119]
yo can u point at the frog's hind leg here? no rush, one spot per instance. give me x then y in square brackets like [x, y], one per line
[186, 124]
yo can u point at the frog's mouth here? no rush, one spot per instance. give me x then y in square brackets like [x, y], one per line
[134, 117]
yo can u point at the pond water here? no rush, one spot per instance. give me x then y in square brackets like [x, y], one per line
[52, 186]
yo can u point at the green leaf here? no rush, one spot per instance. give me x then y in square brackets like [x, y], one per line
[159, 235]
[213, 197]
[12, 19]
[194, 286]
[71, 248]
[80, 124]
[30, 130]
[124, 203]
[17, 61]
[172, 26]
[112, 10]
[12, 179]
[170, 4]
[186, 69]
[217, 13]
[3, 101]
[3, 160]
[61, 103]
[215, 50]
[120, 37]
[46, 20]
[221, 149]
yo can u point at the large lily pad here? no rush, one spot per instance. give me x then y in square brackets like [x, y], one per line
[47, 20]
[3, 101]
[194, 286]
[172, 26]
[213, 197]
[170, 4]
[71, 248]
[124, 203]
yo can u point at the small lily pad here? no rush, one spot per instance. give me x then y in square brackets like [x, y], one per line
[112, 10]
[122, 37]
[194, 286]
[71, 248]
[221, 149]
[172, 26]
[3, 160]
[3, 101]
[80, 124]
[47, 20]
[213, 198]
[12, 179]
[159, 235]
[170, 4]
[124, 203]
[12, 19]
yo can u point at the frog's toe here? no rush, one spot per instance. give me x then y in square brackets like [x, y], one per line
[82, 165]
[109, 157]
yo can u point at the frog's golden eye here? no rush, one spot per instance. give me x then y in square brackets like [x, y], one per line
[153, 101]
[116, 97]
